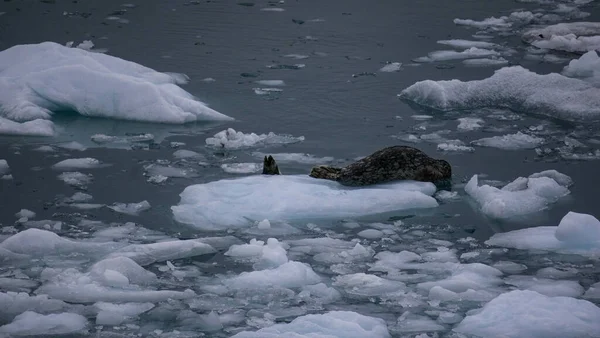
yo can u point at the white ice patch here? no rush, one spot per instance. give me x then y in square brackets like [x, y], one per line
[14, 303]
[368, 285]
[391, 67]
[232, 139]
[576, 233]
[187, 154]
[469, 123]
[41, 242]
[530, 314]
[510, 142]
[271, 82]
[115, 314]
[268, 256]
[78, 163]
[484, 62]
[233, 202]
[546, 286]
[295, 157]
[24, 213]
[159, 173]
[241, 168]
[288, 275]
[515, 88]
[567, 36]
[72, 146]
[4, 168]
[587, 67]
[133, 209]
[447, 55]
[520, 197]
[145, 254]
[37, 127]
[466, 44]
[333, 324]
[37, 79]
[75, 178]
[30, 323]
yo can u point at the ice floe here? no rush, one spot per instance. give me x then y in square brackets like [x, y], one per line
[132, 209]
[232, 139]
[520, 197]
[4, 168]
[115, 314]
[391, 67]
[271, 82]
[567, 36]
[75, 178]
[510, 141]
[530, 314]
[466, 44]
[576, 233]
[38, 79]
[515, 88]
[334, 324]
[78, 163]
[241, 168]
[233, 202]
[446, 55]
[30, 323]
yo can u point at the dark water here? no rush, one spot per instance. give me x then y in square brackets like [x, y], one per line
[340, 115]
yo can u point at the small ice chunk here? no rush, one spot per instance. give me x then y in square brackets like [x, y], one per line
[133, 209]
[455, 147]
[509, 267]
[466, 44]
[532, 195]
[593, 292]
[145, 254]
[289, 275]
[271, 82]
[73, 145]
[24, 213]
[187, 154]
[115, 314]
[41, 242]
[368, 285]
[80, 197]
[126, 267]
[4, 168]
[333, 324]
[510, 142]
[482, 62]
[446, 55]
[469, 123]
[159, 171]
[75, 178]
[30, 323]
[415, 323]
[391, 67]
[232, 139]
[241, 168]
[45, 149]
[14, 303]
[371, 234]
[576, 228]
[548, 287]
[38, 127]
[530, 314]
[78, 163]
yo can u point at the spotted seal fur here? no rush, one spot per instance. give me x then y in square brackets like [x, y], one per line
[389, 164]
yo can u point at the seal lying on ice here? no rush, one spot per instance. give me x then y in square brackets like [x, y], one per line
[386, 165]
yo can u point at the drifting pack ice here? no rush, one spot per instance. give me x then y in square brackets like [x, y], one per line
[38, 80]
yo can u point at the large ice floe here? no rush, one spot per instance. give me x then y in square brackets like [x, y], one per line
[37, 80]
[236, 202]
[520, 197]
[518, 89]
[576, 233]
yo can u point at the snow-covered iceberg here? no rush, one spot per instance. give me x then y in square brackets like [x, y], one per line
[530, 314]
[37, 80]
[515, 88]
[522, 196]
[576, 233]
[578, 37]
[236, 202]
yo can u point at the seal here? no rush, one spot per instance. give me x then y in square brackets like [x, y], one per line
[270, 166]
[386, 165]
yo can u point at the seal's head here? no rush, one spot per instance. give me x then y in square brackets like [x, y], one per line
[270, 167]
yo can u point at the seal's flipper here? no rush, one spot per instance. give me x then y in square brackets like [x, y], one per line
[270, 167]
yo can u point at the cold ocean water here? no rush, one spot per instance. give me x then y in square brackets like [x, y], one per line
[115, 228]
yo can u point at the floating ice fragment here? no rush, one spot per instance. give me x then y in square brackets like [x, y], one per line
[241, 168]
[4, 168]
[132, 209]
[520, 197]
[530, 314]
[368, 285]
[289, 275]
[24, 213]
[271, 82]
[576, 233]
[482, 62]
[469, 123]
[232, 139]
[233, 202]
[145, 254]
[31, 323]
[391, 67]
[75, 178]
[454, 147]
[547, 287]
[78, 163]
[466, 44]
[187, 154]
[446, 55]
[72, 146]
[371, 234]
[334, 324]
[569, 36]
[515, 88]
[115, 314]
[295, 157]
[510, 142]
[46, 77]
